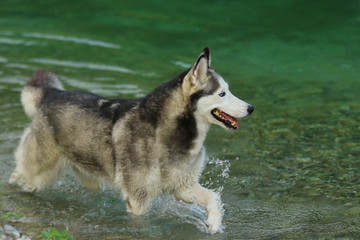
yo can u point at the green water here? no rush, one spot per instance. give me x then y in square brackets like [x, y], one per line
[291, 172]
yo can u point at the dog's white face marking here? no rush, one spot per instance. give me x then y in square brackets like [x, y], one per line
[222, 107]
[217, 104]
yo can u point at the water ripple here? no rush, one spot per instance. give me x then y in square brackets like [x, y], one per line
[105, 89]
[18, 65]
[181, 64]
[72, 39]
[53, 37]
[3, 60]
[17, 41]
[73, 64]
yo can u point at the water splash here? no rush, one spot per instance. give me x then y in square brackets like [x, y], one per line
[180, 211]
[221, 169]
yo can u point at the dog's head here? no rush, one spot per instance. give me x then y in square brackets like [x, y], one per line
[211, 96]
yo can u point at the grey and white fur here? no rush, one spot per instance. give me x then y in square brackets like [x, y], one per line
[143, 147]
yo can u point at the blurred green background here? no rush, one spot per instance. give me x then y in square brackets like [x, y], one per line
[292, 171]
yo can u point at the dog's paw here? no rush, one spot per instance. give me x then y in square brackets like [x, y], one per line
[13, 178]
[18, 179]
[213, 221]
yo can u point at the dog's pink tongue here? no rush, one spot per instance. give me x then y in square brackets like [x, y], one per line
[233, 121]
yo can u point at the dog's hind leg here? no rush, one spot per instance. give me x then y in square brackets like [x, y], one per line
[138, 201]
[137, 207]
[208, 198]
[38, 160]
[87, 180]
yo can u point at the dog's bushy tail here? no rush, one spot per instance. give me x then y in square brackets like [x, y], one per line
[34, 90]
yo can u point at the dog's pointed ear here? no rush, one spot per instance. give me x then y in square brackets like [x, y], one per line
[206, 51]
[198, 71]
[197, 74]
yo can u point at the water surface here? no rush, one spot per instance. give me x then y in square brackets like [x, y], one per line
[292, 171]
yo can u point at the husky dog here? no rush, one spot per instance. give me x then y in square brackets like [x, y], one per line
[143, 147]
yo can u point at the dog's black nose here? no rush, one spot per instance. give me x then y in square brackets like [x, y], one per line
[250, 109]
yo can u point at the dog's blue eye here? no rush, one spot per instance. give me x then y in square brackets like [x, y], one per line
[222, 94]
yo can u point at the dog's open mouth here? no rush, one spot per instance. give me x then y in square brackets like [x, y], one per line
[229, 121]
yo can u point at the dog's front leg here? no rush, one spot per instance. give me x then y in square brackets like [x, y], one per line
[206, 197]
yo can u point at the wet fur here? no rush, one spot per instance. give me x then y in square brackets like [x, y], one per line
[143, 147]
